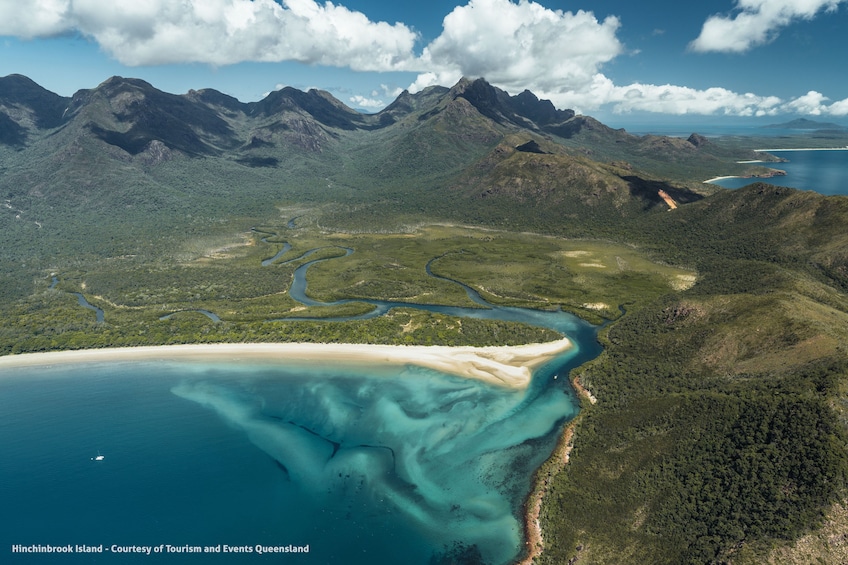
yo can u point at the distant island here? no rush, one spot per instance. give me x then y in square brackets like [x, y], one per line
[804, 123]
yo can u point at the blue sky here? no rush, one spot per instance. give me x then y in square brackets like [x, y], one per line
[618, 60]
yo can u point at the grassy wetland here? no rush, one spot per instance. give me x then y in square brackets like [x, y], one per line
[224, 276]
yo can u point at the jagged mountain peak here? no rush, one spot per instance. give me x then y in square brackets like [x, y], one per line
[426, 100]
[131, 114]
[115, 91]
[488, 100]
[212, 97]
[119, 82]
[524, 110]
[16, 84]
[116, 87]
[404, 103]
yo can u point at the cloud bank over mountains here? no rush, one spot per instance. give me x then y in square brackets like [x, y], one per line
[557, 54]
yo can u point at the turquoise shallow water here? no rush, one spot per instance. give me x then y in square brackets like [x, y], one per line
[396, 465]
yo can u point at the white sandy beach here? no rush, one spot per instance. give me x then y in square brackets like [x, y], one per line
[723, 178]
[507, 366]
[753, 178]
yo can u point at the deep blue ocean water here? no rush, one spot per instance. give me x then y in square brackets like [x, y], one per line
[825, 172]
[396, 465]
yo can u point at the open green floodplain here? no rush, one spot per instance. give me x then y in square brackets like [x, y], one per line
[246, 300]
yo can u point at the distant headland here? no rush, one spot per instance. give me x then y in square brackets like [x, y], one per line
[804, 123]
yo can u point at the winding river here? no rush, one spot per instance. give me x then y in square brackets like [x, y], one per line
[553, 319]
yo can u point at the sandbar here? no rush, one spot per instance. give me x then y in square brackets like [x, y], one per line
[505, 366]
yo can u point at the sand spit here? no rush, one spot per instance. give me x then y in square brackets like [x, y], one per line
[507, 366]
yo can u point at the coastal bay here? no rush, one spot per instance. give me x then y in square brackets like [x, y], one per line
[821, 169]
[414, 437]
[332, 446]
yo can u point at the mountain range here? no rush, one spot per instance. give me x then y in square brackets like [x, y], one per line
[130, 113]
[471, 148]
[133, 116]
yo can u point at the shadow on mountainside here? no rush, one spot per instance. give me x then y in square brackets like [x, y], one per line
[649, 191]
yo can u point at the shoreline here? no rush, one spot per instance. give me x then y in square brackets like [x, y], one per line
[722, 178]
[775, 173]
[504, 366]
[534, 543]
[778, 171]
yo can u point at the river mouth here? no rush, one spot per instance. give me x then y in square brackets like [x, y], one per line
[379, 464]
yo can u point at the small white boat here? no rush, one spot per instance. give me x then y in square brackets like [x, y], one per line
[99, 457]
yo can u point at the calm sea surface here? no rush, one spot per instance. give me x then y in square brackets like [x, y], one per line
[396, 465]
[825, 172]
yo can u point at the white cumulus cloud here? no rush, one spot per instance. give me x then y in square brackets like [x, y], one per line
[681, 100]
[757, 22]
[364, 102]
[602, 92]
[514, 44]
[812, 103]
[839, 108]
[519, 44]
[218, 32]
[39, 18]
[816, 104]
